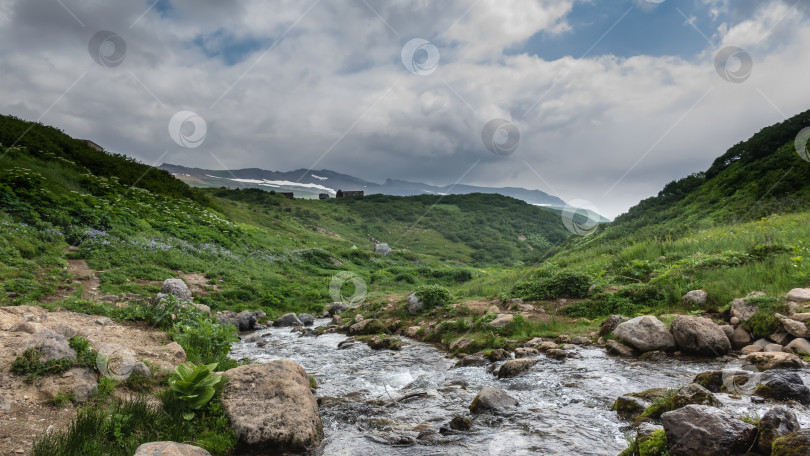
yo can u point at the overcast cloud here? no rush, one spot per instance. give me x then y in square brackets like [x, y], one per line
[290, 84]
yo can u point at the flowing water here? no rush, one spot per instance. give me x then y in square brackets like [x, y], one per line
[564, 405]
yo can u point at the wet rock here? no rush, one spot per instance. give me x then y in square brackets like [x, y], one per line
[740, 338]
[515, 367]
[777, 422]
[774, 360]
[581, 340]
[80, 382]
[306, 319]
[460, 423]
[700, 336]
[271, 407]
[288, 320]
[526, 352]
[556, 353]
[700, 430]
[502, 320]
[783, 385]
[795, 328]
[616, 348]
[695, 298]
[629, 407]
[385, 343]
[795, 444]
[471, 360]
[252, 338]
[176, 288]
[799, 295]
[242, 321]
[694, 394]
[461, 344]
[52, 345]
[645, 333]
[169, 449]
[334, 308]
[798, 346]
[414, 304]
[492, 399]
[499, 354]
[546, 346]
[347, 343]
[367, 327]
[743, 309]
[654, 356]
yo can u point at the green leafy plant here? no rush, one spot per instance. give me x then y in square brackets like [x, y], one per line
[205, 341]
[30, 365]
[433, 296]
[194, 385]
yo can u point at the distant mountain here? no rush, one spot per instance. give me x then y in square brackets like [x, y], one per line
[308, 184]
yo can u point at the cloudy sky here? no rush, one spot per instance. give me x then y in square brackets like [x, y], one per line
[595, 100]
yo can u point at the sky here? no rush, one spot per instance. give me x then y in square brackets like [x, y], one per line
[602, 101]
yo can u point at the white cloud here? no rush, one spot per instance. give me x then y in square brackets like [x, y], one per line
[335, 83]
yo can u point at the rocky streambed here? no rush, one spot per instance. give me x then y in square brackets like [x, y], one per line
[382, 402]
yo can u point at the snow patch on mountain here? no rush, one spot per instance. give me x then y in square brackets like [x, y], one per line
[319, 177]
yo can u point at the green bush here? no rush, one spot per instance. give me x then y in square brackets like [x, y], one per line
[433, 296]
[29, 365]
[763, 323]
[206, 342]
[85, 356]
[561, 285]
[627, 301]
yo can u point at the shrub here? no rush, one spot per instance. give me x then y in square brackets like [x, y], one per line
[763, 323]
[85, 356]
[627, 301]
[206, 342]
[29, 364]
[561, 285]
[433, 296]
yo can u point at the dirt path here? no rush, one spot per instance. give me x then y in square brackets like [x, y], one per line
[82, 275]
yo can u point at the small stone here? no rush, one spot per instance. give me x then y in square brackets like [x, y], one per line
[734, 321]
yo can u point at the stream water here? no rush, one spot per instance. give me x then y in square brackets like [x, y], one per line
[564, 405]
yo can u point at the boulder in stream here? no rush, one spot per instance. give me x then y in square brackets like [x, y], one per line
[701, 430]
[645, 333]
[777, 422]
[783, 385]
[774, 360]
[492, 399]
[700, 336]
[515, 367]
[795, 444]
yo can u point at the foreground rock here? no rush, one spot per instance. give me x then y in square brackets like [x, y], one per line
[798, 346]
[242, 321]
[796, 444]
[271, 407]
[492, 399]
[700, 336]
[80, 382]
[287, 320]
[774, 360]
[777, 422]
[700, 430]
[169, 449]
[783, 385]
[515, 367]
[799, 295]
[52, 345]
[619, 349]
[645, 333]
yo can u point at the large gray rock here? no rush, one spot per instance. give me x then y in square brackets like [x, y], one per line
[783, 386]
[242, 321]
[382, 249]
[287, 320]
[306, 319]
[334, 308]
[700, 336]
[695, 298]
[610, 324]
[777, 422]
[645, 333]
[81, 382]
[701, 430]
[169, 449]
[51, 345]
[502, 320]
[694, 393]
[743, 309]
[415, 305]
[119, 363]
[798, 346]
[271, 407]
[492, 399]
[515, 367]
[799, 295]
[619, 349]
[774, 360]
[176, 288]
